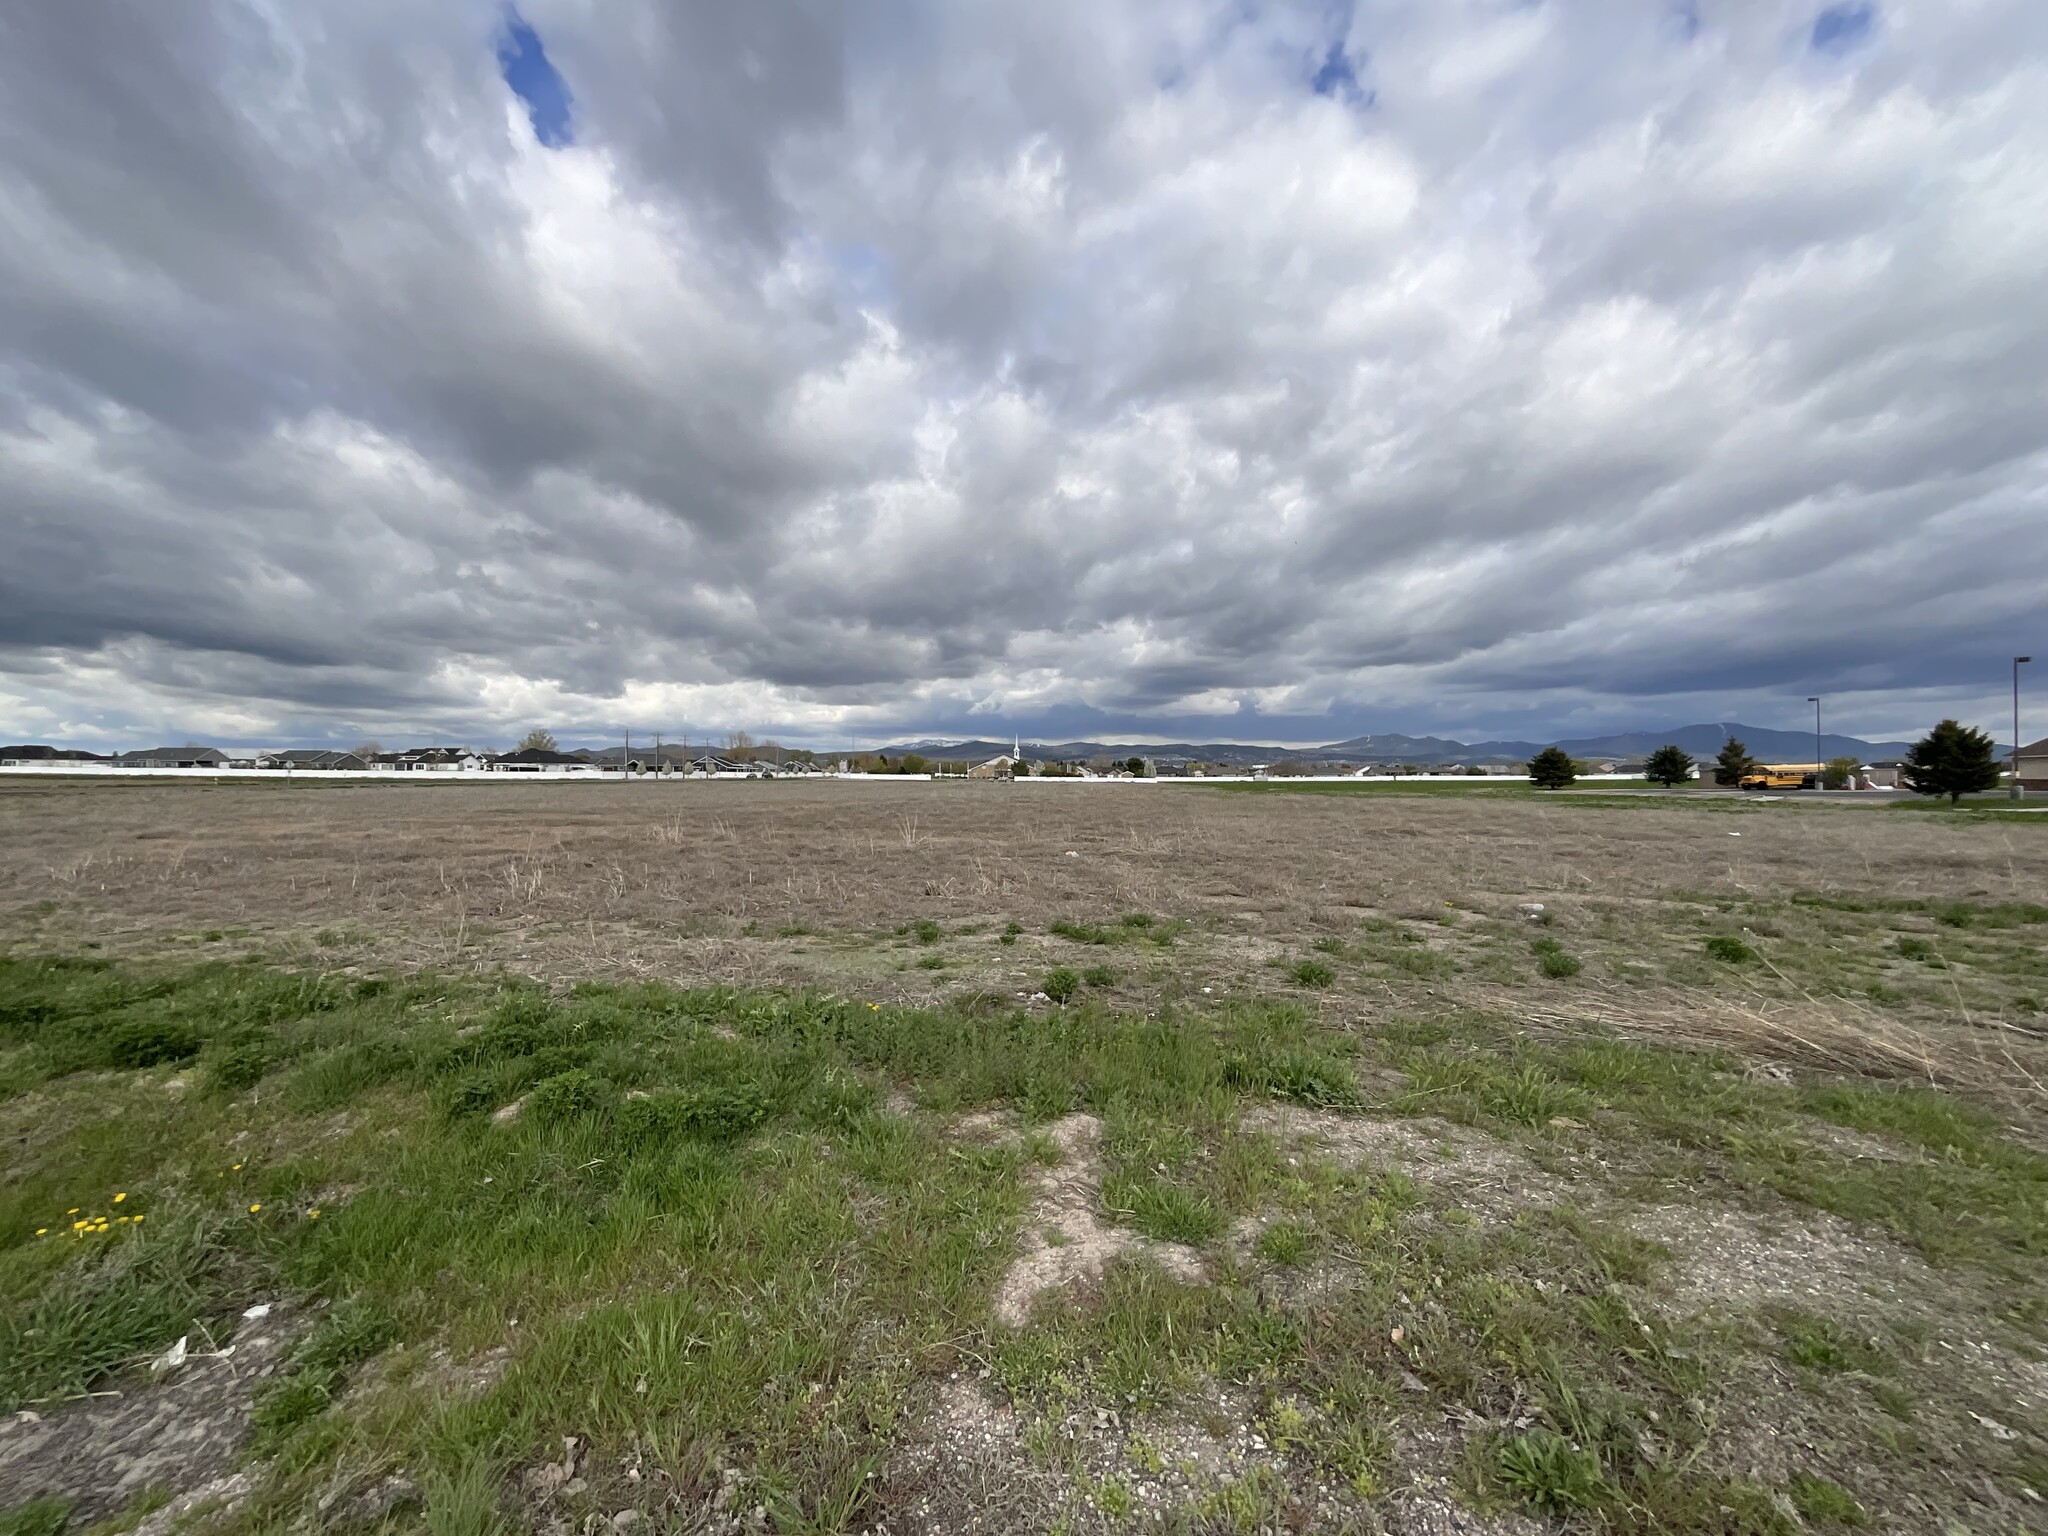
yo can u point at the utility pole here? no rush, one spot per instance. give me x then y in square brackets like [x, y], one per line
[1819, 763]
[625, 759]
[2016, 723]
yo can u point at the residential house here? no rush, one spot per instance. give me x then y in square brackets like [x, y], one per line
[33, 756]
[2033, 765]
[301, 758]
[173, 757]
[427, 760]
[538, 760]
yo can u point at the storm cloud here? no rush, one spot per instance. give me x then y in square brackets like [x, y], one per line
[1260, 371]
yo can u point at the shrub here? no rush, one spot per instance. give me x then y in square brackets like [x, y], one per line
[1010, 932]
[1100, 975]
[1061, 984]
[927, 931]
[1726, 947]
[1312, 973]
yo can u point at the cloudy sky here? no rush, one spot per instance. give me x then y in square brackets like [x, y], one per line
[849, 371]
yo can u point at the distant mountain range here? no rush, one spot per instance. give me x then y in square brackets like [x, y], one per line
[1702, 741]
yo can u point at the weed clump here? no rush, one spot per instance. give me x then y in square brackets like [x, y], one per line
[570, 1095]
[1552, 960]
[1010, 933]
[1100, 976]
[1818, 1499]
[722, 1112]
[1131, 928]
[1312, 973]
[1728, 948]
[1061, 984]
[1543, 1469]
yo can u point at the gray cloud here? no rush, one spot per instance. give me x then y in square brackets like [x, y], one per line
[904, 366]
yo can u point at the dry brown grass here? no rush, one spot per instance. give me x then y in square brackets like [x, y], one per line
[693, 881]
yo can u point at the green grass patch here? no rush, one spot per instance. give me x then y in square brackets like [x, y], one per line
[1131, 928]
[1311, 973]
[1552, 960]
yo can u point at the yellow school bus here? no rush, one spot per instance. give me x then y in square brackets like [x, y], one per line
[1783, 776]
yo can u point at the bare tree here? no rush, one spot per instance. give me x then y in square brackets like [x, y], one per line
[369, 749]
[537, 739]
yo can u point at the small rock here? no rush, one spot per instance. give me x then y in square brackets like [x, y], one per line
[1530, 909]
[508, 1113]
[375, 1503]
[625, 1519]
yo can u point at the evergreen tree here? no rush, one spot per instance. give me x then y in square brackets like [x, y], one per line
[1552, 769]
[1669, 765]
[1135, 767]
[1734, 764]
[1951, 760]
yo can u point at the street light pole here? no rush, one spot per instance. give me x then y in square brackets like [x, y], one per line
[1819, 765]
[2016, 723]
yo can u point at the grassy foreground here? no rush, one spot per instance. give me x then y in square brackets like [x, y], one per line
[734, 1241]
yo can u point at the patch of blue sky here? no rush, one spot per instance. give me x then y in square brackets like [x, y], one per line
[1843, 27]
[523, 61]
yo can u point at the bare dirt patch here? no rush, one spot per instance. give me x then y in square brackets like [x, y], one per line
[180, 1433]
[1734, 1258]
[1065, 1241]
[1478, 1171]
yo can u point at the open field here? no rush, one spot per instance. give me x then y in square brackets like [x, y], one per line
[790, 1156]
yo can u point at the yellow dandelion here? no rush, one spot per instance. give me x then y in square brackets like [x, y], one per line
[72, 1212]
[313, 1214]
[136, 1219]
[77, 1224]
[256, 1207]
[41, 1230]
[237, 1168]
[119, 1198]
